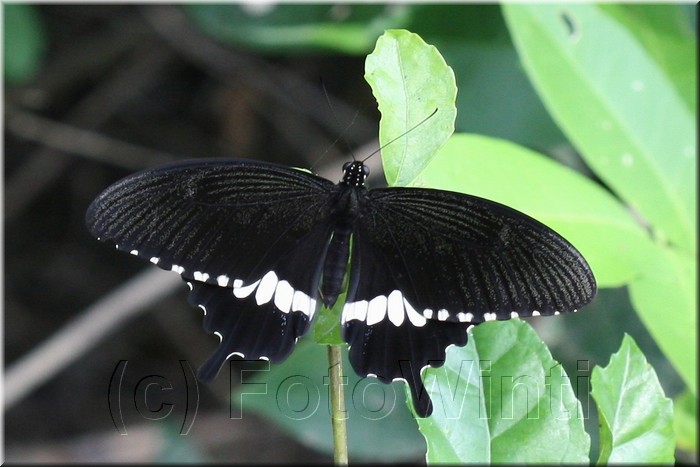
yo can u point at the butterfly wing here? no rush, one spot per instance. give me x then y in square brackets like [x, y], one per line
[427, 264]
[249, 238]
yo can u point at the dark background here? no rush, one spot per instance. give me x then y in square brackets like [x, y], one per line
[124, 87]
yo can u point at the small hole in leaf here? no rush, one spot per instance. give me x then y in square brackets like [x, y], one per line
[572, 28]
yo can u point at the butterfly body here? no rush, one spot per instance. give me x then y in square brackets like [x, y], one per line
[350, 195]
[261, 245]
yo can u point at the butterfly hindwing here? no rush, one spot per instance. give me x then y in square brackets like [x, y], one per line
[393, 350]
[246, 329]
[264, 319]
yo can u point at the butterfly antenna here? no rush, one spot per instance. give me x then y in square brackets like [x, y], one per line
[402, 134]
[342, 134]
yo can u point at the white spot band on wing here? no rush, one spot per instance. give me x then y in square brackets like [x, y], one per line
[266, 289]
[354, 310]
[244, 291]
[304, 303]
[413, 316]
[395, 308]
[201, 276]
[284, 295]
[376, 310]
[222, 280]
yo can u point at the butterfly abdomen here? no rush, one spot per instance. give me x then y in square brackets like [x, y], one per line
[336, 262]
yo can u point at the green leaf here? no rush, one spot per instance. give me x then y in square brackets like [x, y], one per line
[327, 324]
[636, 418]
[685, 422]
[503, 399]
[24, 42]
[299, 28]
[617, 106]
[294, 396]
[495, 96]
[666, 34]
[506, 107]
[410, 80]
[634, 128]
[573, 205]
[665, 297]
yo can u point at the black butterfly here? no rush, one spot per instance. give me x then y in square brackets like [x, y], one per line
[259, 243]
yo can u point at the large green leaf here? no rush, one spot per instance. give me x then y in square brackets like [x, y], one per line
[300, 28]
[503, 399]
[636, 418]
[618, 107]
[410, 80]
[495, 96]
[666, 34]
[665, 297]
[579, 209]
[609, 94]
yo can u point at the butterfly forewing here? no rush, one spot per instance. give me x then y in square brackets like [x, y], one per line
[463, 254]
[220, 220]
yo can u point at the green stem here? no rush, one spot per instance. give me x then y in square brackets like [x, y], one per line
[338, 413]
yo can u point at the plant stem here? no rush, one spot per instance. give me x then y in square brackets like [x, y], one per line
[338, 413]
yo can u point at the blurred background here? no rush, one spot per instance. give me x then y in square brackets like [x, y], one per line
[96, 92]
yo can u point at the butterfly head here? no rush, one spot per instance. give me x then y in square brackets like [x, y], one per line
[354, 173]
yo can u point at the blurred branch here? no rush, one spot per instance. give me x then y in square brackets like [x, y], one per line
[86, 143]
[46, 164]
[85, 331]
